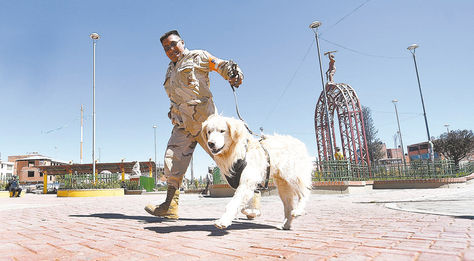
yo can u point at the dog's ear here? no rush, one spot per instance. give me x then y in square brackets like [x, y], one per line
[235, 128]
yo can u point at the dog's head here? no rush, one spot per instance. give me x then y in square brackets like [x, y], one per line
[222, 133]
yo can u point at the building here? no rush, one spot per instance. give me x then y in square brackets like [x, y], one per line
[6, 170]
[420, 151]
[27, 167]
[392, 156]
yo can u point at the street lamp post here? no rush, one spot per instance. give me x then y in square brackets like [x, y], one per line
[447, 127]
[399, 131]
[94, 37]
[314, 26]
[412, 49]
[156, 166]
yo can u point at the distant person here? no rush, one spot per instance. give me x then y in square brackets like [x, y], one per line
[209, 180]
[338, 155]
[14, 187]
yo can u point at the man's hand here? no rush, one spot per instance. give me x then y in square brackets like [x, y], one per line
[236, 80]
[236, 75]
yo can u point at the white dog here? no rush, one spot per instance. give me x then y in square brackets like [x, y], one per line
[234, 149]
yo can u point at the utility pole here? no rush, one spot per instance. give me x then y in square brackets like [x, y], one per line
[399, 132]
[412, 49]
[447, 127]
[94, 37]
[82, 130]
[314, 26]
[156, 165]
[192, 169]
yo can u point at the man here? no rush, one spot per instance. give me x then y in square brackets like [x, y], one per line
[338, 155]
[187, 86]
[13, 187]
[209, 180]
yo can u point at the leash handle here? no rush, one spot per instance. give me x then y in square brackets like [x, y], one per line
[234, 73]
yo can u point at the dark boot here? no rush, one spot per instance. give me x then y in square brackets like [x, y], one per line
[167, 209]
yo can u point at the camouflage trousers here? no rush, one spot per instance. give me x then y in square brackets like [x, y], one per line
[178, 154]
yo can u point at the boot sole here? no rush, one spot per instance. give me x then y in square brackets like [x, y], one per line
[163, 216]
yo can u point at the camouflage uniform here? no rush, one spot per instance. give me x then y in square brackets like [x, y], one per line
[187, 86]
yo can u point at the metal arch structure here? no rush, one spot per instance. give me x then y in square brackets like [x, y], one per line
[343, 101]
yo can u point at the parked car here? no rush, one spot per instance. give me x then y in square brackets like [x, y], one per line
[52, 188]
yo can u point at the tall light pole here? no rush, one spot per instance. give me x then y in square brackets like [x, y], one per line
[447, 127]
[94, 37]
[314, 26]
[156, 166]
[412, 49]
[82, 129]
[399, 131]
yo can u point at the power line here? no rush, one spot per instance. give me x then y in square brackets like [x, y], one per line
[363, 53]
[347, 15]
[290, 81]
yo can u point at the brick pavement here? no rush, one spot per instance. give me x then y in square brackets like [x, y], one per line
[337, 227]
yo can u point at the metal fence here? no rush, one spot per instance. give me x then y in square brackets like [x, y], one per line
[89, 181]
[345, 170]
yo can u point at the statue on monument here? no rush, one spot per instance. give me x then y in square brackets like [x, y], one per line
[332, 67]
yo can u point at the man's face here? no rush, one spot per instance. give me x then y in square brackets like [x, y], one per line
[173, 46]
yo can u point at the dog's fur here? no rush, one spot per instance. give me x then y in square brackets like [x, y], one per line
[290, 165]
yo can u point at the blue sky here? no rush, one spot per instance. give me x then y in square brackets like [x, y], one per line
[46, 68]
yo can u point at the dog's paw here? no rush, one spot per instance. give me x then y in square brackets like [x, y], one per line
[297, 212]
[251, 213]
[286, 225]
[222, 224]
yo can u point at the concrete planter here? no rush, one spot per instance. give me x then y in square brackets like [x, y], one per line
[342, 187]
[221, 190]
[134, 191]
[90, 192]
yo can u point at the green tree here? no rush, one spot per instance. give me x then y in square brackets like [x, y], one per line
[374, 144]
[455, 145]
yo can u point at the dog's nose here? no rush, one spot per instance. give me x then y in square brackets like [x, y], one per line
[211, 145]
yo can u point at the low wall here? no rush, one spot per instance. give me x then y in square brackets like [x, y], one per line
[355, 187]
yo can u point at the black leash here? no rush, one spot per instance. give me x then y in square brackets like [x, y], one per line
[241, 164]
[234, 73]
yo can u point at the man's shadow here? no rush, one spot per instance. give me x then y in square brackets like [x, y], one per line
[143, 219]
[236, 225]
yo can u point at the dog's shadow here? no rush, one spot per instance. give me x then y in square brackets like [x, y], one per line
[236, 225]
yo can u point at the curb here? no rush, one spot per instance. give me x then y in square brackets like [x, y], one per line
[90, 192]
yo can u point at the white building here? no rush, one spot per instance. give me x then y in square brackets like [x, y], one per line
[6, 170]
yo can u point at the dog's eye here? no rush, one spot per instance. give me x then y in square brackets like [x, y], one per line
[222, 131]
[208, 132]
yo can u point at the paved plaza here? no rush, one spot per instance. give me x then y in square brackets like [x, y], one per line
[416, 224]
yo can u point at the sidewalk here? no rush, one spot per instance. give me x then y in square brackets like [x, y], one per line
[375, 226]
